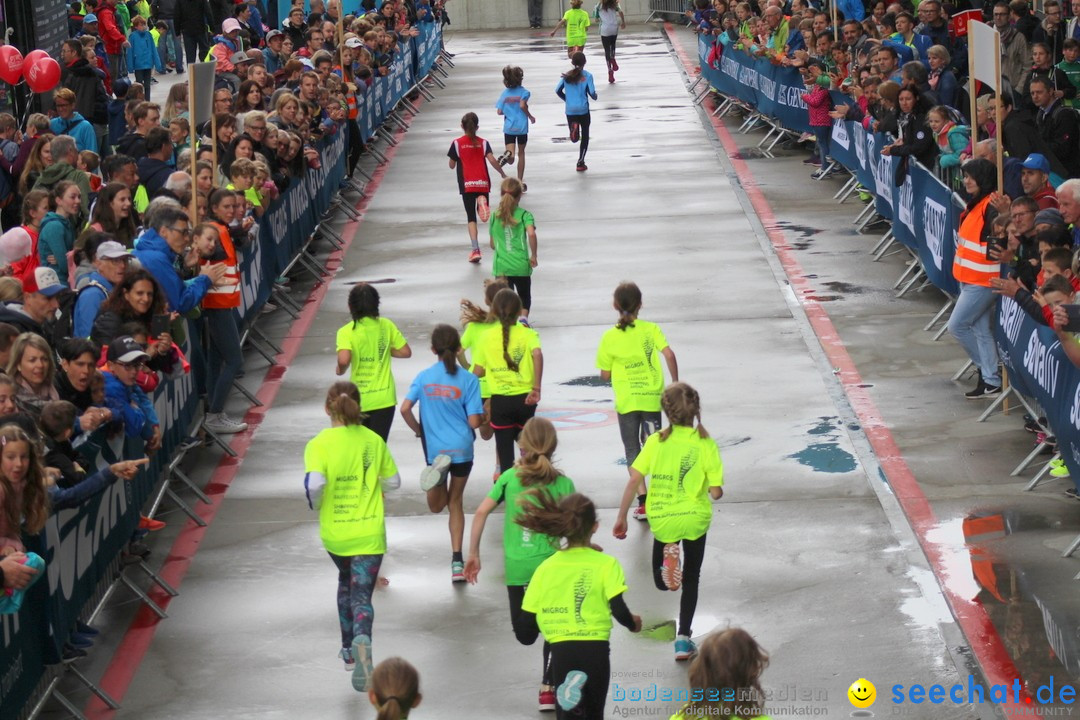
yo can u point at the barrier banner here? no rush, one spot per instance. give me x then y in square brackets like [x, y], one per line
[937, 215]
[385, 92]
[22, 651]
[774, 90]
[428, 46]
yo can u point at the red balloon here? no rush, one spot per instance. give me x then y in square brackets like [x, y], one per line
[11, 64]
[44, 75]
[31, 58]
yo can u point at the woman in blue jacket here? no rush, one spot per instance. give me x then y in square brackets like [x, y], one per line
[58, 227]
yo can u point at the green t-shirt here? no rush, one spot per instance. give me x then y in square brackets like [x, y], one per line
[523, 549]
[489, 355]
[681, 470]
[1072, 71]
[632, 356]
[577, 23]
[469, 338]
[353, 460]
[370, 340]
[570, 592]
[511, 245]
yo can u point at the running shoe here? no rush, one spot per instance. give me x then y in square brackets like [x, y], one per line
[507, 158]
[670, 572]
[582, 167]
[482, 210]
[684, 648]
[150, 524]
[1059, 471]
[547, 699]
[569, 694]
[1056, 462]
[457, 571]
[812, 160]
[87, 630]
[435, 473]
[524, 321]
[639, 513]
[474, 256]
[222, 424]
[80, 641]
[346, 655]
[614, 64]
[524, 188]
[610, 75]
[363, 667]
[575, 132]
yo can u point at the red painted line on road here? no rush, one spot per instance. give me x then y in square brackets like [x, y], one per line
[136, 641]
[982, 636]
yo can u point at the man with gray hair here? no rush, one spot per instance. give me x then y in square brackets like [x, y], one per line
[1012, 172]
[65, 159]
[178, 184]
[1068, 195]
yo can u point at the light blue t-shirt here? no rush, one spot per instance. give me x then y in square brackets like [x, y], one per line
[515, 121]
[446, 402]
[577, 94]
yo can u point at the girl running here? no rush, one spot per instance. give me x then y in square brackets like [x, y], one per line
[523, 551]
[629, 356]
[571, 599]
[509, 356]
[450, 409]
[513, 105]
[575, 88]
[577, 22]
[364, 347]
[348, 468]
[728, 659]
[684, 468]
[467, 155]
[611, 19]
[476, 321]
[395, 689]
[510, 227]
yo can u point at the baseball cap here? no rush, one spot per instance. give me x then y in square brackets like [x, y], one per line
[230, 25]
[306, 62]
[45, 281]
[354, 43]
[1037, 161]
[239, 57]
[273, 34]
[110, 250]
[1049, 216]
[125, 350]
[89, 18]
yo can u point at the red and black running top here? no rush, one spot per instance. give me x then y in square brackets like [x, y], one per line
[470, 153]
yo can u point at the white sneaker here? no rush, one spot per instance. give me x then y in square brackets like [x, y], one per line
[364, 667]
[222, 424]
[435, 473]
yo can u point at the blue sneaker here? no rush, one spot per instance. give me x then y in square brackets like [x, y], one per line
[84, 629]
[363, 667]
[346, 655]
[569, 693]
[684, 648]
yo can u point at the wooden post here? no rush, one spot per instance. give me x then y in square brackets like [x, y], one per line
[997, 119]
[194, 210]
[972, 89]
[835, 18]
[213, 144]
[341, 40]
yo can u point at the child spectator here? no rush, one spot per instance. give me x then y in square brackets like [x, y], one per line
[143, 57]
[57, 423]
[818, 104]
[1071, 67]
[24, 506]
[952, 139]
[128, 403]
[89, 163]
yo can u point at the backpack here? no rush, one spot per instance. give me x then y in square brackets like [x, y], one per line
[61, 325]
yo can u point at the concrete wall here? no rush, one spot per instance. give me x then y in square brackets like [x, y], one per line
[500, 14]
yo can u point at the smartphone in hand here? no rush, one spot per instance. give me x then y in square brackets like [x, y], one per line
[1073, 326]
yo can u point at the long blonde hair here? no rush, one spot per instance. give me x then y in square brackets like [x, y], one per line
[471, 312]
[538, 442]
[396, 686]
[35, 500]
[508, 203]
[682, 405]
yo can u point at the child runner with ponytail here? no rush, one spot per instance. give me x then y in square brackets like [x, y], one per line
[476, 321]
[450, 409]
[629, 356]
[523, 550]
[728, 659]
[571, 599]
[513, 238]
[509, 356]
[575, 88]
[611, 19]
[348, 467]
[395, 689]
[513, 105]
[684, 470]
[467, 155]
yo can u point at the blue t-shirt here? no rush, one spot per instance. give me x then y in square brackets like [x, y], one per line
[515, 121]
[446, 402]
[577, 94]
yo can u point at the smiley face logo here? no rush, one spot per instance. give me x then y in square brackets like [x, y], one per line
[862, 693]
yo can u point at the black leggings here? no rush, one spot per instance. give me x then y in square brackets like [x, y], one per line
[693, 552]
[525, 629]
[609, 46]
[592, 657]
[522, 285]
[379, 421]
[508, 414]
[583, 122]
[469, 200]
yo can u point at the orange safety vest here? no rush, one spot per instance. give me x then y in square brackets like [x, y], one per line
[227, 295]
[970, 264]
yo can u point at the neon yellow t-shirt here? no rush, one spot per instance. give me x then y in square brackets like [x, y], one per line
[370, 340]
[632, 356]
[681, 470]
[489, 355]
[353, 460]
[469, 338]
[577, 23]
[523, 549]
[570, 592]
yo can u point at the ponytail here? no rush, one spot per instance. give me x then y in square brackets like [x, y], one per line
[508, 203]
[538, 442]
[447, 344]
[396, 687]
[470, 312]
[470, 123]
[628, 303]
[507, 307]
[343, 403]
[572, 517]
[576, 73]
[682, 405]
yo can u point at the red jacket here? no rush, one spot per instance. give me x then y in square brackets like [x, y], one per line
[818, 103]
[109, 29]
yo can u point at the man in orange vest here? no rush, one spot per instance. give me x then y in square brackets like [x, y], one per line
[974, 269]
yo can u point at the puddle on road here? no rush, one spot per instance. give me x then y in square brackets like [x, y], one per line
[825, 455]
[588, 381]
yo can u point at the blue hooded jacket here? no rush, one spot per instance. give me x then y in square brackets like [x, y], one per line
[131, 405]
[78, 128]
[143, 53]
[91, 296]
[57, 238]
[159, 260]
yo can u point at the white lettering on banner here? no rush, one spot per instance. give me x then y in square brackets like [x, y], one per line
[767, 86]
[9, 624]
[860, 145]
[297, 200]
[15, 669]
[169, 403]
[730, 66]
[73, 548]
[1010, 318]
[840, 134]
[1074, 411]
[907, 202]
[748, 76]
[883, 175]
[1040, 362]
[791, 96]
[934, 218]
[251, 279]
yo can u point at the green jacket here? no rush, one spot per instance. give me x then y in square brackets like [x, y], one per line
[65, 171]
[123, 15]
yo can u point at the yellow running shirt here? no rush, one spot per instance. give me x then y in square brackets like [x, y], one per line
[681, 470]
[353, 460]
[370, 340]
[570, 592]
[577, 23]
[469, 338]
[489, 355]
[632, 356]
